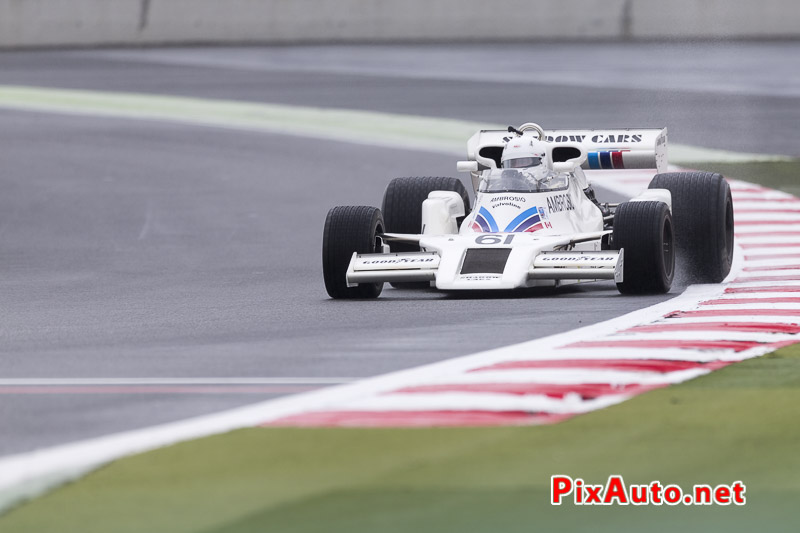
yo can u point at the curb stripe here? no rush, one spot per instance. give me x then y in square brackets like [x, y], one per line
[760, 279]
[769, 234]
[751, 246]
[418, 419]
[767, 222]
[584, 390]
[738, 312]
[640, 365]
[761, 211]
[736, 346]
[743, 301]
[756, 327]
[767, 288]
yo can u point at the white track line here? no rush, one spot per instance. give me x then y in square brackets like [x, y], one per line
[170, 381]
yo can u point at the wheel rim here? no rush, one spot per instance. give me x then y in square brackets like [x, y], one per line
[377, 246]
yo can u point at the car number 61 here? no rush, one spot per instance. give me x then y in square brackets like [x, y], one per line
[493, 239]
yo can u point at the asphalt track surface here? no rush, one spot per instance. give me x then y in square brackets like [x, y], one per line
[144, 249]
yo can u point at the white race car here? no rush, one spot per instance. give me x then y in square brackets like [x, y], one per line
[535, 221]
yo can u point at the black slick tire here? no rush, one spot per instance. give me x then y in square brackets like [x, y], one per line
[702, 210]
[643, 230]
[349, 229]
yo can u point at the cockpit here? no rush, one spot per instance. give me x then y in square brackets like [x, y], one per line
[537, 178]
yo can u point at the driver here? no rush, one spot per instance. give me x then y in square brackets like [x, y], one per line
[528, 159]
[525, 153]
[529, 155]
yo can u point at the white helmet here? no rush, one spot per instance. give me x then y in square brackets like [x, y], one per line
[524, 151]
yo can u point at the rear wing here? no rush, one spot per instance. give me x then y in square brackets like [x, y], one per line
[607, 149]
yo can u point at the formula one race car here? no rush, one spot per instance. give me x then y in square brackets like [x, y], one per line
[535, 221]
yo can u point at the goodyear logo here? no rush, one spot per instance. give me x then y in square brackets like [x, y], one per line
[397, 261]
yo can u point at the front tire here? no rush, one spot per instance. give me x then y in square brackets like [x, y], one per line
[402, 211]
[350, 229]
[702, 208]
[644, 231]
[402, 204]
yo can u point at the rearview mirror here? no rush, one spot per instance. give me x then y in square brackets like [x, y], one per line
[565, 166]
[467, 166]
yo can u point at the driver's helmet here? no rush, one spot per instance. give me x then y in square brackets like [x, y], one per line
[524, 152]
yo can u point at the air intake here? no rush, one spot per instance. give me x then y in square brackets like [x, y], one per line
[485, 261]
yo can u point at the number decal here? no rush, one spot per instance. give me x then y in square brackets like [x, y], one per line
[488, 239]
[493, 239]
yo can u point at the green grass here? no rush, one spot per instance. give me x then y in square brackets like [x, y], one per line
[782, 175]
[740, 423]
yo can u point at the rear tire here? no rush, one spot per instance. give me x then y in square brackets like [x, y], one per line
[349, 229]
[702, 209]
[402, 210]
[644, 231]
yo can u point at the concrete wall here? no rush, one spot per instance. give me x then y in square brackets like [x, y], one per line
[25, 23]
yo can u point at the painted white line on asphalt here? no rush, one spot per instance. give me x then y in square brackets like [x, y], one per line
[363, 127]
[170, 381]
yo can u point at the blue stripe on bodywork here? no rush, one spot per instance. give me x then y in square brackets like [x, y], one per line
[605, 160]
[528, 223]
[482, 223]
[521, 218]
[594, 162]
[489, 218]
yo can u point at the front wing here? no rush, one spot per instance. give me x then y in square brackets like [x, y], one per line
[544, 265]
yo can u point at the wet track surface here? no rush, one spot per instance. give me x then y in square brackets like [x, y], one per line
[143, 249]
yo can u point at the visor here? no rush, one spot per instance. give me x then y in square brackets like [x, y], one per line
[522, 162]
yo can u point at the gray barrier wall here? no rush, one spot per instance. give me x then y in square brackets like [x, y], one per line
[31, 23]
